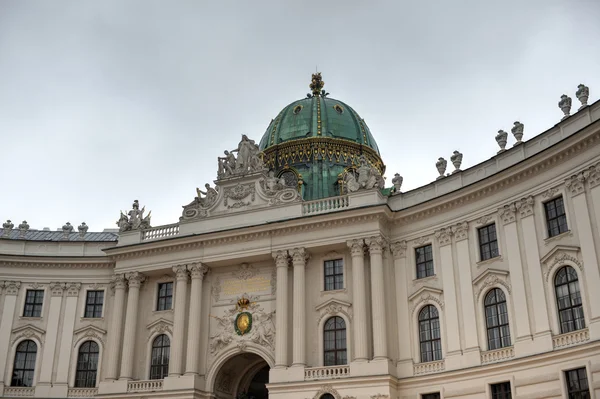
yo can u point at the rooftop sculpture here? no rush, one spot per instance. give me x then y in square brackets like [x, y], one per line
[134, 220]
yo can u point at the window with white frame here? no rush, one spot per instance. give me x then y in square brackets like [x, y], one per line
[34, 299]
[334, 274]
[556, 219]
[496, 319]
[429, 334]
[334, 342]
[424, 261]
[159, 358]
[164, 301]
[94, 301]
[488, 242]
[24, 364]
[501, 390]
[568, 300]
[577, 384]
[87, 365]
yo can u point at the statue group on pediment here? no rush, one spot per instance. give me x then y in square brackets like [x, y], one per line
[248, 159]
[365, 177]
[134, 219]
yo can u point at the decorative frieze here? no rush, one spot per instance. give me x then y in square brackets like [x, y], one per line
[575, 184]
[327, 388]
[160, 326]
[426, 295]
[422, 240]
[559, 258]
[525, 206]
[508, 213]
[461, 231]
[26, 332]
[444, 236]
[491, 278]
[87, 332]
[398, 249]
[334, 307]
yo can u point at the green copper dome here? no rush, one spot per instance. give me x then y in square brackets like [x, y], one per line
[314, 142]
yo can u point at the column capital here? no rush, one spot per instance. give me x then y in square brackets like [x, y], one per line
[281, 258]
[56, 288]
[181, 272]
[299, 256]
[357, 247]
[73, 289]
[12, 287]
[444, 236]
[118, 281]
[575, 184]
[198, 270]
[525, 206]
[398, 249]
[136, 279]
[594, 176]
[461, 231]
[508, 213]
[376, 244]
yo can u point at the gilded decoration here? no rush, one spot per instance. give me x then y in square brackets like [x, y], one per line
[243, 321]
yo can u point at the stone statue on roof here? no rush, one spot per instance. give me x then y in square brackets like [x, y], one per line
[134, 219]
[248, 159]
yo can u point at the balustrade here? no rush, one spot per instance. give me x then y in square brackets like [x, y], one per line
[156, 233]
[325, 205]
[145, 386]
[82, 392]
[497, 355]
[329, 372]
[19, 392]
[429, 367]
[571, 338]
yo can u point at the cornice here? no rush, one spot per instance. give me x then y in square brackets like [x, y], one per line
[55, 263]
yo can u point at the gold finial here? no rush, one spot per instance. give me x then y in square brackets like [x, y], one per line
[316, 85]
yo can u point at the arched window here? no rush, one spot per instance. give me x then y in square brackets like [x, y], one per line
[24, 366]
[327, 396]
[496, 319]
[161, 349]
[87, 365]
[334, 342]
[429, 334]
[568, 299]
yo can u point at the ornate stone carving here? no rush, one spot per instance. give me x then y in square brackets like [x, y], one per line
[559, 259]
[135, 219]
[198, 270]
[327, 388]
[23, 227]
[248, 160]
[27, 332]
[398, 249]
[422, 240]
[299, 256]
[565, 105]
[550, 192]
[441, 165]
[489, 281]
[272, 184]
[508, 213]
[397, 182]
[118, 282]
[245, 272]
[456, 159]
[210, 196]
[582, 94]
[594, 176]
[73, 289]
[181, 272]
[135, 279]
[517, 131]
[380, 396]
[82, 228]
[67, 229]
[238, 193]
[7, 227]
[35, 286]
[334, 307]
[575, 183]
[376, 244]
[502, 139]
[426, 297]
[56, 288]
[88, 332]
[12, 287]
[366, 177]
[525, 206]
[281, 259]
[461, 231]
[357, 247]
[444, 236]
[484, 219]
[276, 191]
[160, 326]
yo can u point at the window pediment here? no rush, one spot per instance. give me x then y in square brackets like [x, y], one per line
[334, 307]
[426, 295]
[490, 278]
[159, 326]
[558, 256]
[89, 332]
[28, 331]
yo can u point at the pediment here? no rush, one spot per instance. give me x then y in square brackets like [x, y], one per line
[159, 326]
[28, 331]
[158, 322]
[85, 329]
[425, 290]
[29, 327]
[333, 302]
[490, 278]
[566, 249]
[426, 295]
[333, 307]
[559, 256]
[89, 332]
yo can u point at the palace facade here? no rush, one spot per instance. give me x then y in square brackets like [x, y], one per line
[300, 275]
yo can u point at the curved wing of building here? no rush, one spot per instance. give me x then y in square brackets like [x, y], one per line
[298, 274]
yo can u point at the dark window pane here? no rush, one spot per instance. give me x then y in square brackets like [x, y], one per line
[33, 303]
[488, 242]
[568, 300]
[159, 363]
[87, 365]
[577, 384]
[24, 364]
[424, 257]
[429, 334]
[556, 218]
[496, 319]
[334, 274]
[165, 296]
[501, 391]
[94, 303]
[334, 342]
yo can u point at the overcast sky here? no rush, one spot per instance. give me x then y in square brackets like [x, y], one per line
[104, 102]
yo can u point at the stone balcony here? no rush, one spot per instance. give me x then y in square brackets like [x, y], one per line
[429, 367]
[19, 392]
[497, 355]
[571, 338]
[144, 386]
[326, 373]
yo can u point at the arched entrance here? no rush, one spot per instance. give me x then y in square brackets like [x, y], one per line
[243, 376]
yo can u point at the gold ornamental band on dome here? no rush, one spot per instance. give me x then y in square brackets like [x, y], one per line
[314, 148]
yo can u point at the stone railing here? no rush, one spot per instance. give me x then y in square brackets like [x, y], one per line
[19, 392]
[572, 338]
[82, 392]
[324, 373]
[145, 386]
[429, 367]
[497, 355]
[325, 205]
[159, 232]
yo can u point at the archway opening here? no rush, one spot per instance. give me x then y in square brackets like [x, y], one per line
[243, 376]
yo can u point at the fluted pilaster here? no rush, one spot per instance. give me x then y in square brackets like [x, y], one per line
[359, 299]
[299, 258]
[176, 361]
[281, 324]
[135, 280]
[197, 271]
[376, 246]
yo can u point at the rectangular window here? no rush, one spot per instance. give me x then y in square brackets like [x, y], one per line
[93, 304]
[165, 296]
[488, 242]
[577, 384]
[431, 396]
[33, 303]
[501, 390]
[556, 217]
[334, 274]
[424, 256]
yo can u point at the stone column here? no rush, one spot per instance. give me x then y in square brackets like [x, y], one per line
[594, 184]
[515, 266]
[197, 270]
[575, 186]
[359, 299]
[115, 334]
[11, 289]
[376, 246]
[299, 258]
[467, 301]
[56, 292]
[444, 238]
[66, 340]
[135, 281]
[534, 271]
[176, 361]
[281, 309]
[399, 253]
